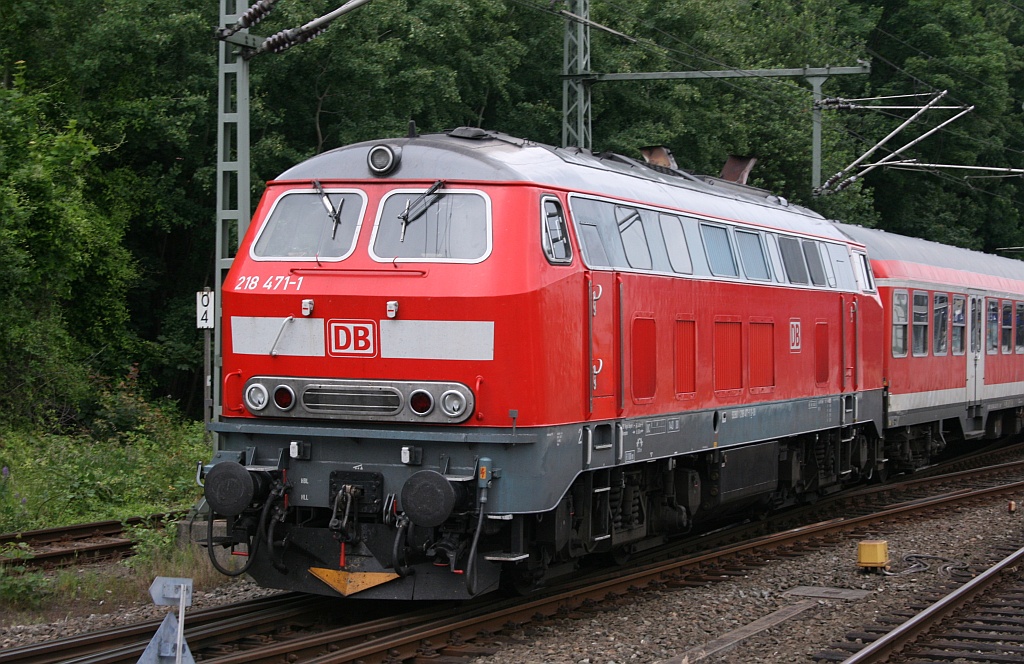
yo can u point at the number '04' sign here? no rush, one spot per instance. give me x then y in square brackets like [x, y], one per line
[204, 310]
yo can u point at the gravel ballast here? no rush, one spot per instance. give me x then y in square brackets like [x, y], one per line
[663, 625]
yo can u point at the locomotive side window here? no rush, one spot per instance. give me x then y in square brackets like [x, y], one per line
[755, 264]
[599, 234]
[940, 323]
[554, 233]
[675, 243]
[1020, 328]
[793, 259]
[1007, 326]
[900, 304]
[814, 265]
[864, 271]
[920, 339]
[959, 325]
[839, 261]
[300, 226]
[433, 225]
[634, 239]
[992, 326]
[719, 251]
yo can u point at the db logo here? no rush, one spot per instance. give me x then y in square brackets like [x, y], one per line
[352, 337]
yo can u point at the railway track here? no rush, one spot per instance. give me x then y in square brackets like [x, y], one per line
[979, 621]
[450, 629]
[67, 545]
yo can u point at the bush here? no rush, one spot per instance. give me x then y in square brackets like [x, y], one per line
[136, 459]
[19, 587]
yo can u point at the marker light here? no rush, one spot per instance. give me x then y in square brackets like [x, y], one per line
[284, 397]
[421, 402]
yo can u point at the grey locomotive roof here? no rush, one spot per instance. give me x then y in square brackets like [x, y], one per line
[468, 154]
[890, 246]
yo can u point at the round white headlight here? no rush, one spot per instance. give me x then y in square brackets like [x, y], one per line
[256, 397]
[453, 403]
[382, 159]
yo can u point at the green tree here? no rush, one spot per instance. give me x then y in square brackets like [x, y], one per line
[64, 268]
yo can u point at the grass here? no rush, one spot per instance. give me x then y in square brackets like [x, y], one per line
[36, 597]
[131, 457]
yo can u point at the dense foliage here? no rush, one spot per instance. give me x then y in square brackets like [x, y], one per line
[108, 133]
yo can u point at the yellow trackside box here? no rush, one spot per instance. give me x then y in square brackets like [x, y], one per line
[873, 554]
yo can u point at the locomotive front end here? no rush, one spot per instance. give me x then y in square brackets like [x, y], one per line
[360, 435]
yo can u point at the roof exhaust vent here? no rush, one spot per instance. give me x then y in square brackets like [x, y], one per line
[737, 169]
[659, 155]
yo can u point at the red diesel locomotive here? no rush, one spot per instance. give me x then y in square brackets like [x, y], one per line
[456, 360]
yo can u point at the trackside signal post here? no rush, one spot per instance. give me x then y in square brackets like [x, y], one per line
[577, 79]
[236, 48]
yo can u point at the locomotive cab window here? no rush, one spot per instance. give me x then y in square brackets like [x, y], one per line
[306, 225]
[433, 225]
[900, 305]
[719, 251]
[554, 233]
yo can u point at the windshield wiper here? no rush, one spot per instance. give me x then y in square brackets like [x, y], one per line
[411, 213]
[335, 214]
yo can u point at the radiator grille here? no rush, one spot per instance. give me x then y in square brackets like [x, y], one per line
[352, 399]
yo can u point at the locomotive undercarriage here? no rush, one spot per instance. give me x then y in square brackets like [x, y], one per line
[440, 527]
[439, 539]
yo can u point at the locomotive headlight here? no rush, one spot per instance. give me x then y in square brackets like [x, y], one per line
[256, 397]
[453, 403]
[382, 159]
[421, 402]
[284, 397]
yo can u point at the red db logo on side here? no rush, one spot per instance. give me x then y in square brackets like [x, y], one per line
[352, 337]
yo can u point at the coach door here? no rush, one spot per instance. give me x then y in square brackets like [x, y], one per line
[603, 302]
[975, 350]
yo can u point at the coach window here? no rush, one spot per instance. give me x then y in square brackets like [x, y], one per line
[719, 251]
[814, 265]
[555, 235]
[992, 326]
[959, 325]
[755, 265]
[900, 302]
[675, 243]
[1020, 328]
[940, 323]
[1007, 326]
[920, 339]
[634, 239]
